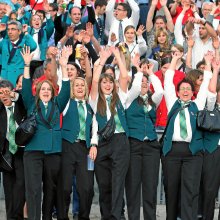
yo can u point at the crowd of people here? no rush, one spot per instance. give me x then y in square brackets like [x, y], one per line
[102, 77]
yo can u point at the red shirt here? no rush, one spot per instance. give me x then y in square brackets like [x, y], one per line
[38, 6]
[217, 11]
[188, 14]
[161, 112]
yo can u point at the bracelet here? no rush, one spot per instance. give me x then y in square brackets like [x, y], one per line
[26, 65]
[194, 12]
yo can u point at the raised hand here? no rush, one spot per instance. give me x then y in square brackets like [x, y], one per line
[154, 2]
[8, 9]
[89, 29]
[105, 53]
[69, 31]
[24, 28]
[2, 27]
[64, 57]
[135, 60]
[216, 65]
[163, 2]
[140, 30]
[149, 69]
[113, 37]
[209, 57]
[86, 38]
[27, 55]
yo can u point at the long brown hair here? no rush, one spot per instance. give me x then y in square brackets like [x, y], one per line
[38, 87]
[157, 34]
[101, 106]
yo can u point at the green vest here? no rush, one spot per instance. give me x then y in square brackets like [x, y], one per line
[140, 124]
[196, 143]
[102, 120]
[71, 126]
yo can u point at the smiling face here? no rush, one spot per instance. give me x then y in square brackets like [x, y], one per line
[72, 71]
[130, 35]
[107, 86]
[45, 93]
[144, 86]
[79, 89]
[4, 96]
[36, 21]
[162, 38]
[75, 15]
[185, 92]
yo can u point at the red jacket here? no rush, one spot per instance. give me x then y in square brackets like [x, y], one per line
[161, 112]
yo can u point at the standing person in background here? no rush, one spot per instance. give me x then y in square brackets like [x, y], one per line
[10, 48]
[159, 22]
[117, 19]
[42, 156]
[12, 112]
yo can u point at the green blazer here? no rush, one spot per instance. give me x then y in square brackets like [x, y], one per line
[45, 139]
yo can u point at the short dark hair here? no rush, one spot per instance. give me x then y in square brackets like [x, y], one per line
[200, 63]
[54, 6]
[6, 84]
[100, 3]
[125, 6]
[185, 81]
[160, 17]
[41, 12]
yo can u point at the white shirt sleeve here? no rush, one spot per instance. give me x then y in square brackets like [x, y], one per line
[135, 12]
[158, 94]
[142, 45]
[178, 29]
[169, 89]
[135, 90]
[94, 139]
[203, 91]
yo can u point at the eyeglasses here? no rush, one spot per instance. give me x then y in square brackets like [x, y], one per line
[185, 89]
[118, 9]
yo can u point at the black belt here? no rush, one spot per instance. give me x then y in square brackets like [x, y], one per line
[148, 140]
[80, 141]
[143, 4]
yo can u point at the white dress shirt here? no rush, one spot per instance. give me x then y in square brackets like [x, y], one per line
[170, 97]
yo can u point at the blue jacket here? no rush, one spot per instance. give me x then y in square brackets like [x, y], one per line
[11, 70]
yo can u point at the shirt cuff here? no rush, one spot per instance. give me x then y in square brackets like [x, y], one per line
[65, 79]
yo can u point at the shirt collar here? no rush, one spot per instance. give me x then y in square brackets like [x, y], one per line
[83, 101]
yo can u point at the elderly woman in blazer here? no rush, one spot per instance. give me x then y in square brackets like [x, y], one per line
[42, 156]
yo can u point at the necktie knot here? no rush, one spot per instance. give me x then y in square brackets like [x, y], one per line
[80, 102]
[108, 99]
[10, 108]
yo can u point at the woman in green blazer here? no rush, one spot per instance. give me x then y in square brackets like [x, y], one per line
[42, 157]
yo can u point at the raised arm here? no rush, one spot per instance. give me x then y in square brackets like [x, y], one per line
[190, 43]
[150, 15]
[169, 19]
[169, 88]
[104, 55]
[123, 76]
[135, 11]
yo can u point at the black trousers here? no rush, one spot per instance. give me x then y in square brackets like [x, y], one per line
[143, 171]
[111, 167]
[14, 188]
[182, 174]
[74, 162]
[210, 182]
[40, 167]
